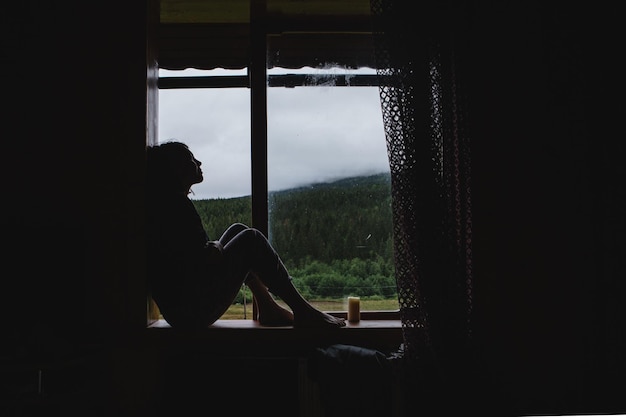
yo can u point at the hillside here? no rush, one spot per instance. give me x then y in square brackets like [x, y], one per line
[336, 237]
[346, 218]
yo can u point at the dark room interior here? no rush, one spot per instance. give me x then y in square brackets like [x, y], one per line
[546, 334]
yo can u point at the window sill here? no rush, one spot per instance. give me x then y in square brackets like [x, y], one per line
[250, 337]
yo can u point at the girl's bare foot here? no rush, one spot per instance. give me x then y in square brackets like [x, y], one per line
[313, 318]
[275, 316]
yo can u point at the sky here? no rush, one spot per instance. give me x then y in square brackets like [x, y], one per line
[315, 134]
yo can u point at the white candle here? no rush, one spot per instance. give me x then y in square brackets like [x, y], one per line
[354, 309]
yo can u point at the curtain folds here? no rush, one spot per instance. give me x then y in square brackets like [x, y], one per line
[429, 155]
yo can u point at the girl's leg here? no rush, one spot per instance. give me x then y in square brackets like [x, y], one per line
[232, 231]
[212, 300]
[249, 251]
[270, 313]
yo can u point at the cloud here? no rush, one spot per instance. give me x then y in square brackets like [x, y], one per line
[315, 134]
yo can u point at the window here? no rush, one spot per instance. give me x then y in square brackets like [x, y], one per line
[314, 174]
[215, 123]
[329, 187]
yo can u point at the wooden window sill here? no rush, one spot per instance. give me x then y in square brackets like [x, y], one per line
[250, 337]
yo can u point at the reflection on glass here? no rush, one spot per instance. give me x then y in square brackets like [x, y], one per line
[329, 188]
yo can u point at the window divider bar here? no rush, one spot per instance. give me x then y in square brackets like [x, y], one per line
[257, 71]
[215, 81]
[273, 80]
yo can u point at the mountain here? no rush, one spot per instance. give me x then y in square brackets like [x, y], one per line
[344, 219]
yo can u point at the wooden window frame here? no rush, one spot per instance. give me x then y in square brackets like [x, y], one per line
[257, 80]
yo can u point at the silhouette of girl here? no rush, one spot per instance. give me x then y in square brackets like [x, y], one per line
[194, 279]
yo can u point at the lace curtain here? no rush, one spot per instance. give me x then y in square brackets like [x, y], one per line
[429, 154]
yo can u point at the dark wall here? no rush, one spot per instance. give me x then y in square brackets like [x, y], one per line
[549, 312]
[73, 129]
[548, 205]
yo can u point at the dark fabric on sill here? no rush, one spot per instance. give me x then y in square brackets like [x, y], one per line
[353, 381]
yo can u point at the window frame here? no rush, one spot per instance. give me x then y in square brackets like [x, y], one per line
[260, 218]
[258, 80]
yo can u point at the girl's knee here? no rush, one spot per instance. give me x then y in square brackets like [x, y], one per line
[232, 232]
[235, 229]
[237, 226]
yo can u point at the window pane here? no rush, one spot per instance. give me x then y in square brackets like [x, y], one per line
[329, 183]
[335, 245]
[215, 123]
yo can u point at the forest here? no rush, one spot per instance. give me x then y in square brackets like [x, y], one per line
[335, 238]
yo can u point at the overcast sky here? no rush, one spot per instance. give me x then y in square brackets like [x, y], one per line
[315, 134]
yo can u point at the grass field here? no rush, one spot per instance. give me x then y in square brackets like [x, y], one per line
[237, 311]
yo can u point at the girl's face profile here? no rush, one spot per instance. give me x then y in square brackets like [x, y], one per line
[191, 171]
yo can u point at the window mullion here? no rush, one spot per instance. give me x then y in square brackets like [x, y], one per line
[258, 113]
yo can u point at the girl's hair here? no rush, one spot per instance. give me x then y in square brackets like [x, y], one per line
[162, 163]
